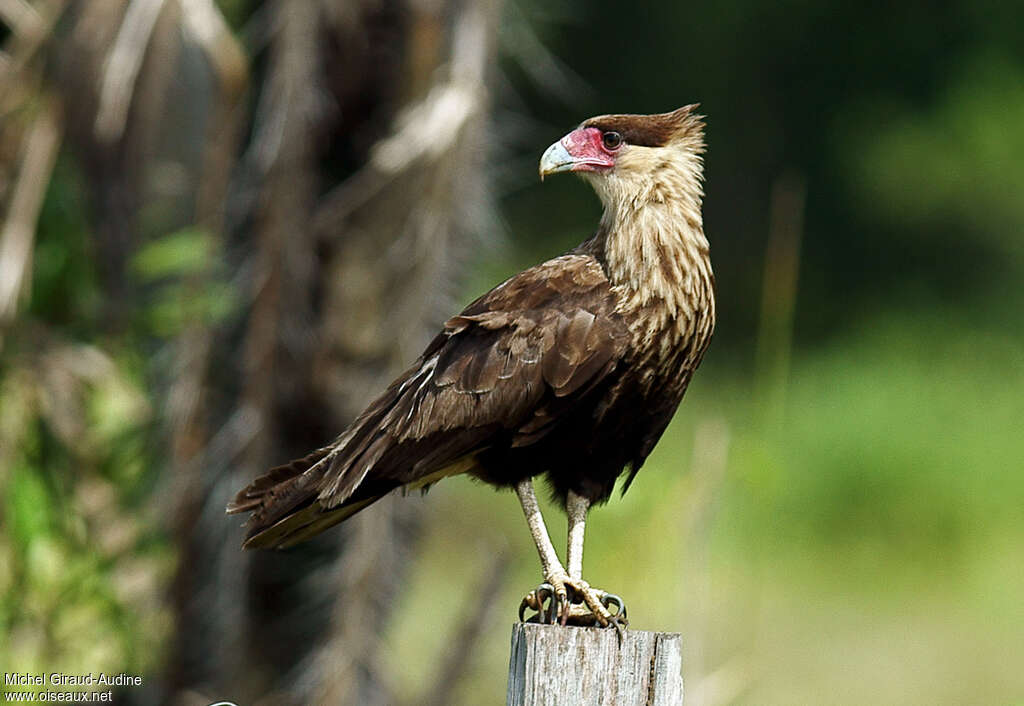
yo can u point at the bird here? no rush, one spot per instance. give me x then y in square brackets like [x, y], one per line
[570, 370]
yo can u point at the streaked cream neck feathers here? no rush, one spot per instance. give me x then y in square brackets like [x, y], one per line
[656, 252]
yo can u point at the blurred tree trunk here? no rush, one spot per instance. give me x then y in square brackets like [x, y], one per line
[344, 292]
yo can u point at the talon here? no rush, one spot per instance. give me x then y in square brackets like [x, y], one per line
[563, 607]
[620, 629]
[547, 617]
[535, 600]
[562, 600]
[609, 599]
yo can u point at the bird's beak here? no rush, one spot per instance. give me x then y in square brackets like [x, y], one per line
[556, 159]
[579, 151]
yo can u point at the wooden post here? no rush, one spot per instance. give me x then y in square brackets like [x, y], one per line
[555, 666]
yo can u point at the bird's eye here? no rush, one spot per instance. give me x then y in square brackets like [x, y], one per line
[611, 140]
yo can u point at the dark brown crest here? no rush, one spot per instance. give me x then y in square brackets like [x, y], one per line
[650, 130]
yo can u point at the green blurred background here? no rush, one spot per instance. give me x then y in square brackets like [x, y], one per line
[836, 514]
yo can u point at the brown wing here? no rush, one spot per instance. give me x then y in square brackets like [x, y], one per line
[503, 370]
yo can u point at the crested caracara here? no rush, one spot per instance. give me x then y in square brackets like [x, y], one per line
[572, 368]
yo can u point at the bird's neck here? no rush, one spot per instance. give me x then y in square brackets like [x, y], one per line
[657, 256]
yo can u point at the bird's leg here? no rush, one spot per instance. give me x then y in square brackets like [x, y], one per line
[548, 556]
[558, 581]
[576, 506]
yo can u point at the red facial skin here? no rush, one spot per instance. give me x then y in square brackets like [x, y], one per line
[587, 149]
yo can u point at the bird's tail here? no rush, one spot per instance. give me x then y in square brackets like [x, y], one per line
[284, 505]
[293, 502]
[305, 523]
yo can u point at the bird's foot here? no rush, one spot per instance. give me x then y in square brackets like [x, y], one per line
[572, 601]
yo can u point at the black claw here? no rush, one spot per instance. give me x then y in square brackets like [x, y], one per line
[543, 592]
[610, 599]
[562, 610]
[620, 628]
[553, 609]
[547, 617]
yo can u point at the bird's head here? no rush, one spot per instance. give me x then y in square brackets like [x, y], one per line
[633, 158]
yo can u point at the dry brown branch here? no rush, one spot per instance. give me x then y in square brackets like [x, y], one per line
[428, 129]
[545, 69]
[288, 120]
[187, 396]
[18, 234]
[31, 30]
[20, 17]
[204, 23]
[121, 69]
[425, 131]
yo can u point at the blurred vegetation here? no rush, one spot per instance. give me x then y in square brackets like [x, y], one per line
[842, 525]
[84, 558]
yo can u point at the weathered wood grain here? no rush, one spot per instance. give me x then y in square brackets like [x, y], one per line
[551, 665]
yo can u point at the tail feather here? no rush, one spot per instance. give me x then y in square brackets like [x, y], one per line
[271, 483]
[291, 512]
[296, 489]
[306, 523]
[289, 503]
[297, 500]
[284, 504]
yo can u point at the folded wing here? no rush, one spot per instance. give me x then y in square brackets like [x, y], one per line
[501, 373]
